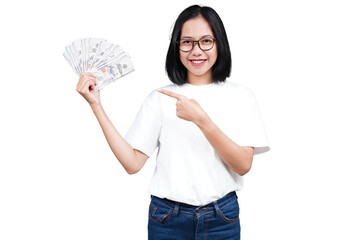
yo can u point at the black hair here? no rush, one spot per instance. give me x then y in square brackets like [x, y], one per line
[221, 68]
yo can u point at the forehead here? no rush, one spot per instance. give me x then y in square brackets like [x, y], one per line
[196, 28]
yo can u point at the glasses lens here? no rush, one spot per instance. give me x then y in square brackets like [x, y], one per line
[185, 45]
[206, 43]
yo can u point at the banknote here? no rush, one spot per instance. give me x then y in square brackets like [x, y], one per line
[109, 62]
[69, 54]
[94, 50]
[112, 72]
[70, 61]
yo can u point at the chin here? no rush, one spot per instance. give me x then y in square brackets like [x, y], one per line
[199, 73]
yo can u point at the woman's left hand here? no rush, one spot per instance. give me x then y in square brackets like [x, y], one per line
[187, 109]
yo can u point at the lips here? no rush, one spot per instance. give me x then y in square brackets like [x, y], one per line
[197, 62]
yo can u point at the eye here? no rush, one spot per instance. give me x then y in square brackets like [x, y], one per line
[186, 42]
[206, 41]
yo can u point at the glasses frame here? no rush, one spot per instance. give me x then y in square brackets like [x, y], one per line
[198, 42]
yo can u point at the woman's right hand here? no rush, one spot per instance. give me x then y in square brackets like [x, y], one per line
[86, 87]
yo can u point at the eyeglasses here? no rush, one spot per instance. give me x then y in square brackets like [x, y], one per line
[205, 44]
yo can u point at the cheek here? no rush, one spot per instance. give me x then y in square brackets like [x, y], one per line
[215, 52]
[183, 58]
[213, 56]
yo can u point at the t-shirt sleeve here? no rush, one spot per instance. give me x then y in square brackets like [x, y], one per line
[144, 132]
[250, 130]
[256, 132]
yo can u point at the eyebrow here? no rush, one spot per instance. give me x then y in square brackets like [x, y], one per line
[188, 37]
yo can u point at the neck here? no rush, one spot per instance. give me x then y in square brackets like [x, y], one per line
[199, 80]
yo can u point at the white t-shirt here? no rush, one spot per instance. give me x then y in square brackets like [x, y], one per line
[188, 169]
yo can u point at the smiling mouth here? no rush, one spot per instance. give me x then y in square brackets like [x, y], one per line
[198, 61]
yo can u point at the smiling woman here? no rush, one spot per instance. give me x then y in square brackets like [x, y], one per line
[206, 130]
[203, 25]
[200, 58]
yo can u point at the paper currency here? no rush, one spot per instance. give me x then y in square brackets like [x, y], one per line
[109, 62]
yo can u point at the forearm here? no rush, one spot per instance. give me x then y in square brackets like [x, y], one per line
[123, 151]
[238, 158]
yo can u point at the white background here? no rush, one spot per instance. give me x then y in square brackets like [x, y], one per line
[59, 178]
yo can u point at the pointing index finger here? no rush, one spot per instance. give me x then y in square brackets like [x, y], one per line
[170, 93]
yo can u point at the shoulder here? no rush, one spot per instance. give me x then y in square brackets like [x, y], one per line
[239, 89]
[169, 87]
[155, 96]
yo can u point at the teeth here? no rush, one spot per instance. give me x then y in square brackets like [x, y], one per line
[198, 61]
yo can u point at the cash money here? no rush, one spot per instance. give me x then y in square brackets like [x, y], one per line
[109, 62]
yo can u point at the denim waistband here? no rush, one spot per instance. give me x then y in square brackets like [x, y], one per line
[220, 203]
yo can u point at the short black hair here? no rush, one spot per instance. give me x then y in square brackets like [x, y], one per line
[222, 67]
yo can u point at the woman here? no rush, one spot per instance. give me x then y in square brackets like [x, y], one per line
[205, 146]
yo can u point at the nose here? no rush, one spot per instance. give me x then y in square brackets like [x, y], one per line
[196, 49]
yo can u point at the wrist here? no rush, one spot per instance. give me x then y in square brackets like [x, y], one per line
[204, 122]
[95, 106]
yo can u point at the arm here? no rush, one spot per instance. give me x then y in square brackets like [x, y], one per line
[131, 159]
[238, 158]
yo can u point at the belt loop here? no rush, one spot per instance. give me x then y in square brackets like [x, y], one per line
[217, 209]
[176, 209]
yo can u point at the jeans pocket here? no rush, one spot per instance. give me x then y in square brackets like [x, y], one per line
[230, 212]
[159, 213]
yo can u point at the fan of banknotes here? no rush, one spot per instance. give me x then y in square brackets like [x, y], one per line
[107, 61]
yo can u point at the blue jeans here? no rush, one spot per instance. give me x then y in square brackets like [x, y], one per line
[170, 220]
